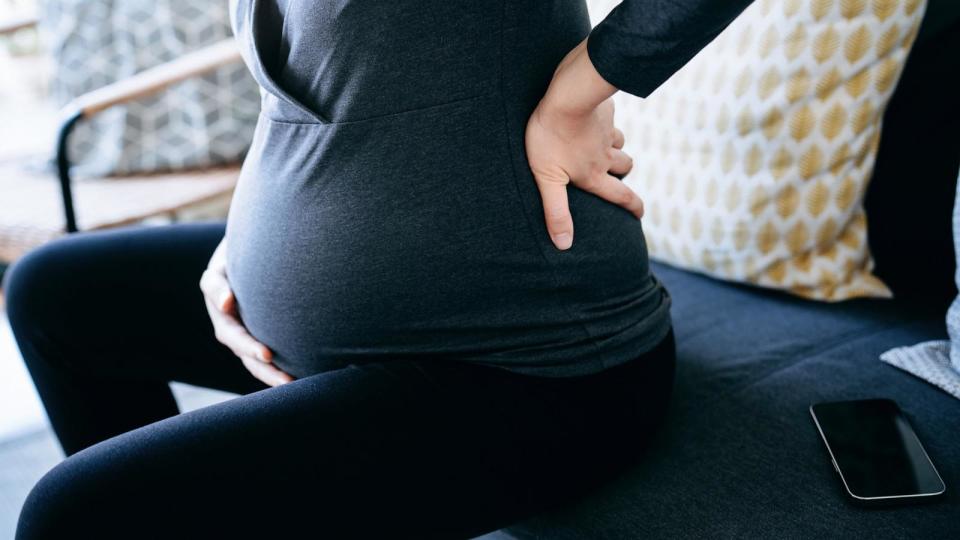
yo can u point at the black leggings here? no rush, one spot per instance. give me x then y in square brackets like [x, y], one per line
[385, 449]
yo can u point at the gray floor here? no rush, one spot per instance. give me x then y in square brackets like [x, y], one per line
[23, 461]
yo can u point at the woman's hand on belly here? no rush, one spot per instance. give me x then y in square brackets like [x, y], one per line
[229, 330]
[570, 138]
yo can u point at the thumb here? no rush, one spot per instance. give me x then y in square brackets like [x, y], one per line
[216, 289]
[225, 300]
[556, 211]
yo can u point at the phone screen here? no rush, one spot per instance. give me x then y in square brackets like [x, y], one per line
[875, 449]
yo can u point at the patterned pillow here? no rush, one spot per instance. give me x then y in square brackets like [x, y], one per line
[200, 122]
[937, 362]
[754, 158]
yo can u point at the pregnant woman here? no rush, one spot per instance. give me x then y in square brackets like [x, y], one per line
[432, 290]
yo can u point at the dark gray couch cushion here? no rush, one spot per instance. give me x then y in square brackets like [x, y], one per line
[739, 455]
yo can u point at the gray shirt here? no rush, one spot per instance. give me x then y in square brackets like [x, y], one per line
[386, 209]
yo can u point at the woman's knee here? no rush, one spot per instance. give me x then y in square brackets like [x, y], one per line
[33, 282]
[107, 490]
[61, 503]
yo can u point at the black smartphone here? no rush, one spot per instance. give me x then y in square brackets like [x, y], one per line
[876, 452]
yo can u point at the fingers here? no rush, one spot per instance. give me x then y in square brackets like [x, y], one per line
[556, 211]
[221, 305]
[611, 189]
[218, 260]
[618, 139]
[227, 302]
[216, 289]
[267, 373]
[222, 308]
[620, 162]
[234, 335]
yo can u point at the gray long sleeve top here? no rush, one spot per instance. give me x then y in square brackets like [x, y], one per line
[386, 209]
[641, 43]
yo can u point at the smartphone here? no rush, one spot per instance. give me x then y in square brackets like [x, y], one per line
[876, 452]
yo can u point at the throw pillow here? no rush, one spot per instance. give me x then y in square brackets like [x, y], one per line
[754, 158]
[203, 121]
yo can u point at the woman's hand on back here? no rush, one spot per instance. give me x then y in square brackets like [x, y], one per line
[229, 330]
[570, 138]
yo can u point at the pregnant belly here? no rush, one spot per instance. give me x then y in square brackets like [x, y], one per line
[354, 241]
[406, 236]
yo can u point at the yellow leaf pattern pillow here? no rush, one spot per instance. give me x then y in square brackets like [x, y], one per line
[753, 159]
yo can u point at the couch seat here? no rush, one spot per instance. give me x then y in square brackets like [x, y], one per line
[739, 455]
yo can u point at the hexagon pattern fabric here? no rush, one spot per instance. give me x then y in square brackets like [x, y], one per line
[200, 122]
[754, 158]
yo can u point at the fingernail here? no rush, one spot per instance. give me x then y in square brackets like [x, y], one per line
[563, 240]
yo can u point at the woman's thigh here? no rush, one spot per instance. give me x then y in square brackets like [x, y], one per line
[401, 449]
[123, 303]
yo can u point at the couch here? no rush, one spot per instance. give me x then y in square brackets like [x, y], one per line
[739, 455]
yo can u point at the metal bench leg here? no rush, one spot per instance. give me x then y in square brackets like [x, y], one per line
[63, 168]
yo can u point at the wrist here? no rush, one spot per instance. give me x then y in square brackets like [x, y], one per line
[577, 88]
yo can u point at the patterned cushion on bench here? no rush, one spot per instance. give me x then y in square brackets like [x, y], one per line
[200, 122]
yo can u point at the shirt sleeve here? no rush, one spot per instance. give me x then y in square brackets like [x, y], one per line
[641, 43]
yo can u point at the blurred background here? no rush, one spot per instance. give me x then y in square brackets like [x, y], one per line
[111, 113]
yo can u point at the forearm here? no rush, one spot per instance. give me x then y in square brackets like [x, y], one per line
[570, 137]
[637, 47]
[577, 87]
[642, 43]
